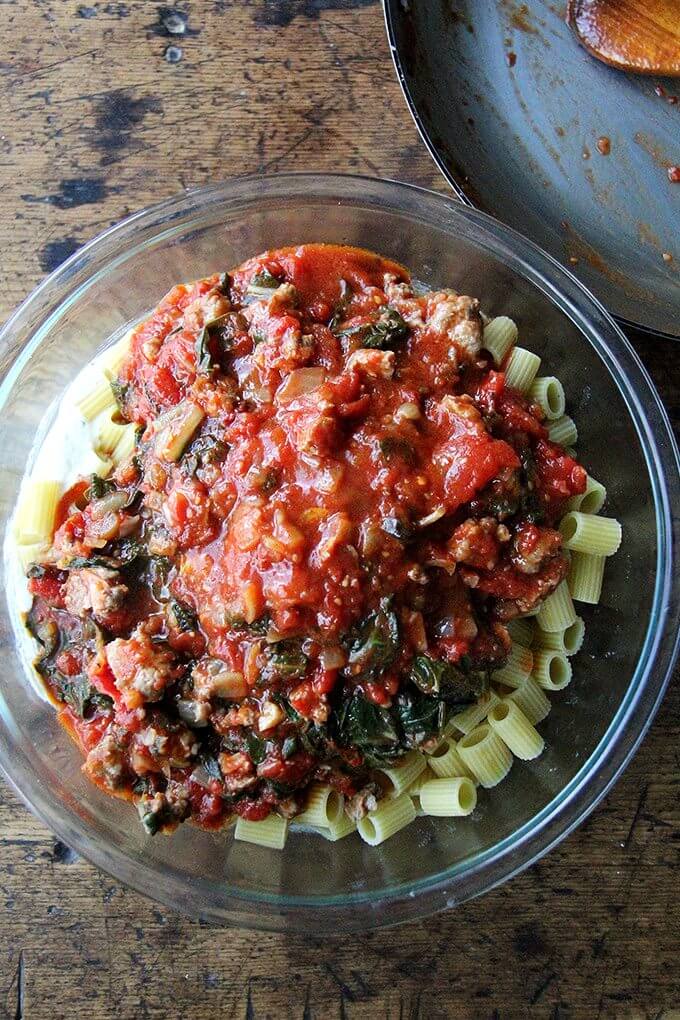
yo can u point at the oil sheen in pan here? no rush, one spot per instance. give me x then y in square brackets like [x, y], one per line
[527, 125]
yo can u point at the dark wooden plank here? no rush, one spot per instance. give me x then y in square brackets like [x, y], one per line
[98, 122]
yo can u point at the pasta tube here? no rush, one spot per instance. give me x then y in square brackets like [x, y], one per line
[521, 631]
[403, 774]
[563, 431]
[35, 519]
[521, 369]
[515, 730]
[271, 832]
[447, 762]
[449, 798]
[552, 670]
[591, 501]
[486, 755]
[568, 641]
[389, 817]
[548, 393]
[112, 358]
[324, 807]
[473, 714]
[557, 611]
[343, 827]
[586, 533]
[517, 667]
[99, 399]
[499, 336]
[531, 699]
[585, 577]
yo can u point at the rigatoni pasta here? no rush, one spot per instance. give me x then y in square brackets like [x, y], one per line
[521, 368]
[515, 730]
[271, 832]
[547, 391]
[448, 798]
[586, 533]
[499, 336]
[586, 573]
[486, 755]
[346, 539]
[389, 817]
[35, 519]
[532, 700]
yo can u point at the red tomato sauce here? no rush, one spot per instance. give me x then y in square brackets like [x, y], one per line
[334, 494]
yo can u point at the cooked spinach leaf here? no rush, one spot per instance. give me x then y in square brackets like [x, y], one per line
[183, 616]
[256, 747]
[420, 716]
[455, 684]
[387, 330]
[340, 312]
[120, 392]
[98, 487]
[373, 644]
[81, 696]
[262, 284]
[285, 660]
[369, 727]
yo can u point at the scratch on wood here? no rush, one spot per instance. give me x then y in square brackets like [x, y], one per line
[307, 1012]
[540, 989]
[250, 1012]
[640, 804]
[21, 985]
[345, 991]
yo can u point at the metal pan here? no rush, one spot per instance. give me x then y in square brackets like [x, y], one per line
[519, 117]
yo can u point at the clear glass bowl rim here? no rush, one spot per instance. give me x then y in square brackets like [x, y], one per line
[361, 911]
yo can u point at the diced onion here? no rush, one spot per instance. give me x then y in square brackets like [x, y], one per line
[300, 380]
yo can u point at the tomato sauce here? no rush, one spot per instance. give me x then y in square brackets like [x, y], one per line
[333, 489]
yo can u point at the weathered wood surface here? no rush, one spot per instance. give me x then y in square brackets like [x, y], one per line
[95, 122]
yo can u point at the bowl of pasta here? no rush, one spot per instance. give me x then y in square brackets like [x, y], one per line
[322, 501]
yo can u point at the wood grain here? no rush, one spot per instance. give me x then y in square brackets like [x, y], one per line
[97, 122]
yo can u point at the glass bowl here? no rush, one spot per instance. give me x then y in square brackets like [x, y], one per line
[631, 637]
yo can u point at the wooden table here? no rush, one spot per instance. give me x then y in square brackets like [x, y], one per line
[102, 112]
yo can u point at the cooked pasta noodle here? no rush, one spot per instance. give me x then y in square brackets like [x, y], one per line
[585, 577]
[515, 730]
[109, 436]
[521, 368]
[521, 631]
[35, 519]
[112, 359]
[343, 827]
[324, 806]
[389, 816]
[563, 431]
[486, 755]
[271, 832]
[586, 533]
[473, 714]
[532, 699]
[99, 399]
[31, 553]
[517, 667]
[591, 501]
[568, 641]
[447, 762]
[125, 445]
[405, 772]
[552, 670]
[548, 392]
[499, 336]
[449, 798]
[557, 611]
